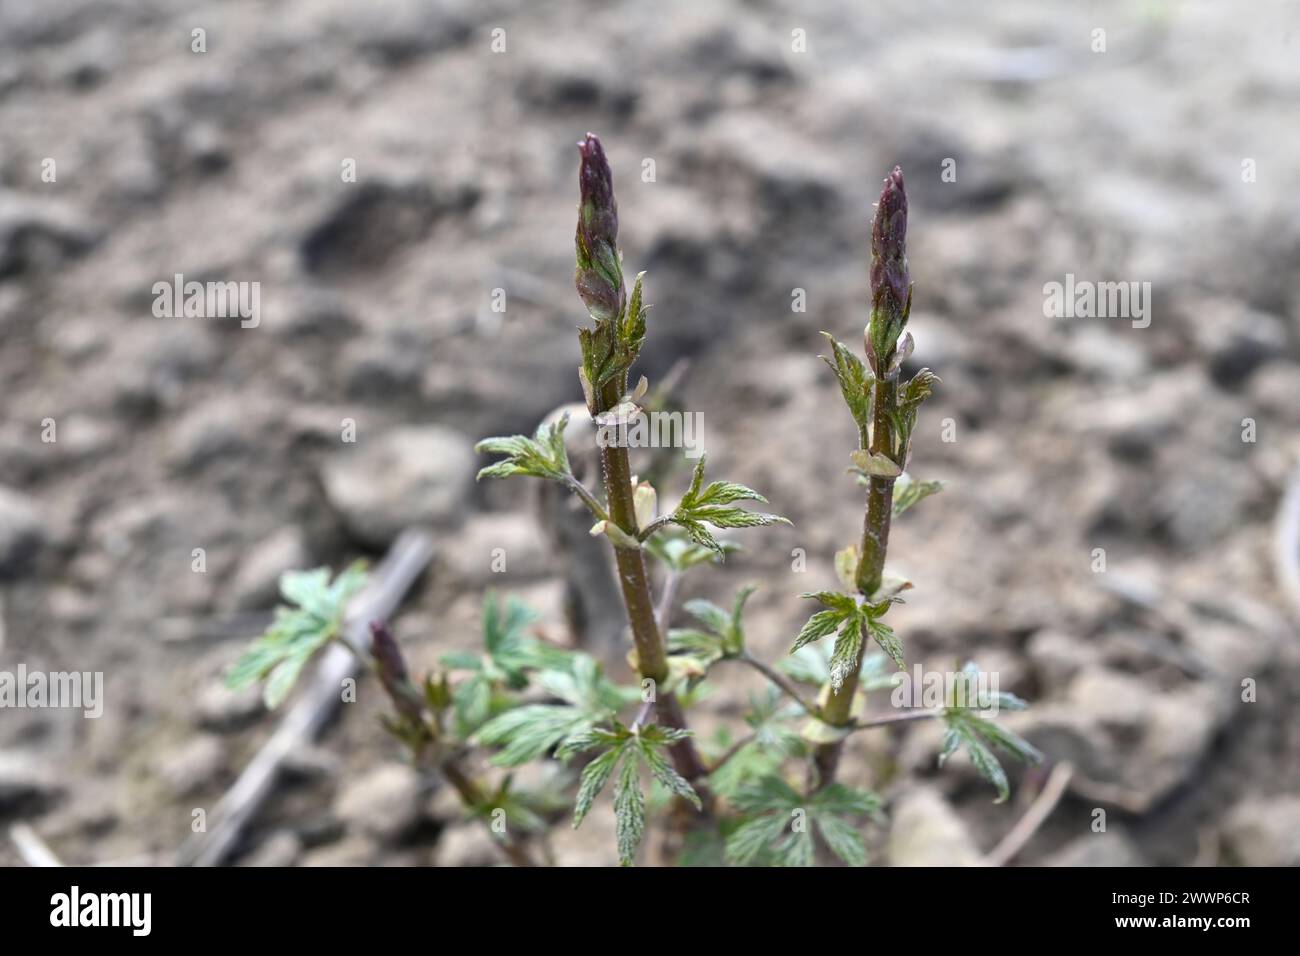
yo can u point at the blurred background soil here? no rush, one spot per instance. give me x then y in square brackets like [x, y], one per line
[376, 296]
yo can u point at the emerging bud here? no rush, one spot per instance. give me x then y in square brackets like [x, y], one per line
[599, 276]
[889, 278]
[891, 285]
[390, 666]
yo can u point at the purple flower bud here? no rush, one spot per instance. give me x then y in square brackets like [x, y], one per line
[890, 282]
[599, 276]
[390, 666]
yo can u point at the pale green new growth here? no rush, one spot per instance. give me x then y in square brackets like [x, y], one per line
[299, 631]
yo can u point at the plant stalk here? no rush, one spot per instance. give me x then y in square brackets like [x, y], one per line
[837, 710]
[650, 651]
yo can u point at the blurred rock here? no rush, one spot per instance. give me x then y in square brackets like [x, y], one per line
[467, 844]
[417, 475]
[193, 766]
[27, 784]
[349, 851]
[926, 831]
[1111, 848]
[221, 709]
[373, 222]
[502, 546]
[256, 584]
[1058, 657]
[37, 235]
[565, 77]
[281, 848]
[311, 764]
[397, 32]
[383, 804]
[216, 430]
[1124, 731]
[1235, 340]
[22, 531]
[383, 368]
[1264, 831]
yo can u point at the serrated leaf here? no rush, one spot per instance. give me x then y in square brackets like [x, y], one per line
[842, 799]
[527, 732]
[884, 636]
[723, 516]
[796, 849]
[669, 778]
[752, 838]
[542, 456]
[855, 381]
[1005, 739]
[818, 626]
[842, 838]
[844, 603]
[297, 632]
[844, 659]
[629, 810]
[713, 506]
[594, 777]
[987, 765]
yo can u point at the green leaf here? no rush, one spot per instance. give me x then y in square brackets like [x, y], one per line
[884, 635]
[710, 615]
[542, 456]
[910, 397]
[771, 803]
[796, 849]
[770, 793]
[297, 632]
[843, 839]
[986, 764]
[629, 810]
[908, 492]
[843, 799]
[594, 777]
[855, 382]
[714, 506]
[844, 659]
[528, 732]
[965, 727]
[753, 837]
[817, 627]
[669, 778]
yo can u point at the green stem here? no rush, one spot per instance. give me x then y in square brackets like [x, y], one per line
[650, 651]
[838, 706]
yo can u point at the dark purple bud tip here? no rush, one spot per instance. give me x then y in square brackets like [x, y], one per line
[388, 656]
[889, 275]
[599, 277]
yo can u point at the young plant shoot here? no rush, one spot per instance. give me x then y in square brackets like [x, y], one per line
[766, 797]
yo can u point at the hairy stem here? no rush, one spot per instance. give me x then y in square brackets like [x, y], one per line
[651, 654]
